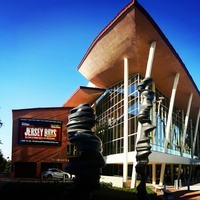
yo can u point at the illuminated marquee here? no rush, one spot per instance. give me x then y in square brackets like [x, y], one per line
[40, 131]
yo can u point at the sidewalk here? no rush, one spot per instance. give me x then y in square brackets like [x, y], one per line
[184, 193]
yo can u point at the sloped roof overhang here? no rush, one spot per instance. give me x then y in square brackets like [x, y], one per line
[84, 95]
[130, 35]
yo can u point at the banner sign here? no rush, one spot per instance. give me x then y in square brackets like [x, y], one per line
[40, 131]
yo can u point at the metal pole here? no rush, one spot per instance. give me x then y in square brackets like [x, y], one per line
[148, 74]
[186, 123]
[196, 130]
[150, 59]
[171, 105]
[125, 163]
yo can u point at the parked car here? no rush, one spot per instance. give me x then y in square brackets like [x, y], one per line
[54, 173]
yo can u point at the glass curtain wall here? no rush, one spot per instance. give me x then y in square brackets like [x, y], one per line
[110, 116]
[175, 139]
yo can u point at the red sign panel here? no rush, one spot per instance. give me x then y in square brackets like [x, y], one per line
[40, 131]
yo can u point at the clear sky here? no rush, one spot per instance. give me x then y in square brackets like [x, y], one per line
[43, 41]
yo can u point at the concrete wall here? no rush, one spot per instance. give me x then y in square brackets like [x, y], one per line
[116, 181]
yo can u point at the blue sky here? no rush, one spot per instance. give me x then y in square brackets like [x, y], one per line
[43, 41]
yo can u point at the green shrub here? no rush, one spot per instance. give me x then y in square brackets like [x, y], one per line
[52, 191]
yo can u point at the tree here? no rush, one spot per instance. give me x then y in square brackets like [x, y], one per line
[1, 124]
[4, 164]
[7, 168]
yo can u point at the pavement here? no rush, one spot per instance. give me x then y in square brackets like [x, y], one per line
[191, 192]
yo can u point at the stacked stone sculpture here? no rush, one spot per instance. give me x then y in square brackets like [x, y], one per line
[143, 148]
[87, 166]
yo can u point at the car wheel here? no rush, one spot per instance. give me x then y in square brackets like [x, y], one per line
[49, 176]
[65, 177]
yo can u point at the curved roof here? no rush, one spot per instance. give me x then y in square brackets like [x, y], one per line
[129, 35]
[84, 94]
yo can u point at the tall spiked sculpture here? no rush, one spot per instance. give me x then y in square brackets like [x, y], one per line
[143, 145]
[88, 164]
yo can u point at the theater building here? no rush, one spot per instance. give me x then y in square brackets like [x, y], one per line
[40, 139]
[130, 48]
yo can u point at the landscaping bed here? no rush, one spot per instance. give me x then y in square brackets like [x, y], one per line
[52, 190]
